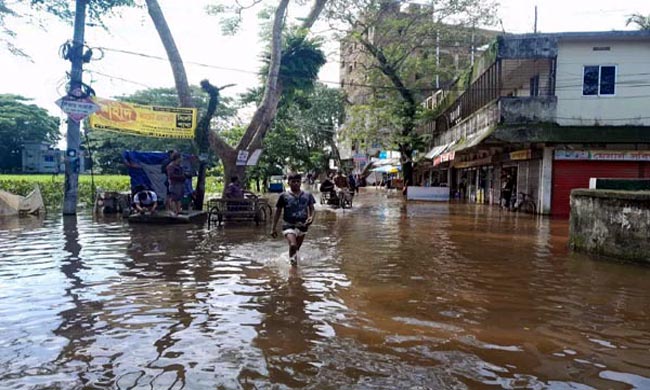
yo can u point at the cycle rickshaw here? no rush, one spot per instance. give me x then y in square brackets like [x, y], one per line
[341, 197]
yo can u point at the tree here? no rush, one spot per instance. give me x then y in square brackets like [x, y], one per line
[274, 84]
[6, 34]
[19, 123]
[107, 147]
[64, 9]
[302, 133]
[397, 41]
[641, 21]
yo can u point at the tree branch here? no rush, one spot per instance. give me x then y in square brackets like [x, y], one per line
[175, 60]
[315, 11]
[265, 112]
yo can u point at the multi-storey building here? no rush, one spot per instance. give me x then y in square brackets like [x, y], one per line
[453, 48]
[546, 112]
[40, 157]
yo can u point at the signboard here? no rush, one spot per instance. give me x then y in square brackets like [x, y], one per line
[449, 156]
[603, 155]
[77, 108]
[255, 156]
[525, 154]
[358, 158]
[435, 194]
[474, 163]
[147, 121]
[242, 157]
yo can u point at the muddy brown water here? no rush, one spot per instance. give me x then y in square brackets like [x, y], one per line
[387, 295]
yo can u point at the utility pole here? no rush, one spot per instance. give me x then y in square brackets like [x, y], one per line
[73, 138]
[535, 26]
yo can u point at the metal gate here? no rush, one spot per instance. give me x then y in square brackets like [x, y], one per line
[570, 174]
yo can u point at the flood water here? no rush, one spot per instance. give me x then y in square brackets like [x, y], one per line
[388, 295]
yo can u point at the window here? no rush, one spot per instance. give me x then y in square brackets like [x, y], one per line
[534, 86]
[48, 158]
[599, 80]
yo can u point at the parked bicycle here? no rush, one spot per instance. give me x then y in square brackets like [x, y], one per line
[525, 203]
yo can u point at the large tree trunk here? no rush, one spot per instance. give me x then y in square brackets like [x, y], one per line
[175, 60]
[265, 113]
[272, 91]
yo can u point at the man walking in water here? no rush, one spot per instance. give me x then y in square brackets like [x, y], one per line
[297, 208]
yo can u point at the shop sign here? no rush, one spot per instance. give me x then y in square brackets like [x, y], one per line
[603, 155]
[474, 163]
[146, 121]
[449, 156]
[525, 154]
[358, 158]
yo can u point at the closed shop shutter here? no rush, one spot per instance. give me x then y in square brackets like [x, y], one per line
[570, 174]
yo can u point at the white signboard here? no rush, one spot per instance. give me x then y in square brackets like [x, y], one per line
[242, 157]
[433, 194]
[255, 156]
[77, 109]
[603, 155]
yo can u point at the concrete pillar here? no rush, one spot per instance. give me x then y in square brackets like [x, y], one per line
[546, 181]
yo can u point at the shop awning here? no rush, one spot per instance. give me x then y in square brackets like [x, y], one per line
[439, 150]
[474, 139]
[387, 169]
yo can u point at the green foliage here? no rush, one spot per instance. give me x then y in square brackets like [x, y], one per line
[302, 133]
[233, 135]
[392, 47]
[19, 123]
[6, 35]
[95, 9]
[52, 187]
[302, 59]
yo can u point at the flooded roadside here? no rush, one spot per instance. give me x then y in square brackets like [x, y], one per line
[387, 295]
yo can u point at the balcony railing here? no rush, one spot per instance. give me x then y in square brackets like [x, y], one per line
[503, 111]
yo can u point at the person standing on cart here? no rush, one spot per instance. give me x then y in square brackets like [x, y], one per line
[297, 209]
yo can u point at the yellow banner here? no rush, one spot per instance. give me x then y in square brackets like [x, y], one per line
[146, 121]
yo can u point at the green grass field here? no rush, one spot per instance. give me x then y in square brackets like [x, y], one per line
[52, 186]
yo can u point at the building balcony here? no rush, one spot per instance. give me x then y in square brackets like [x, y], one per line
[504, 111]
[527, 109]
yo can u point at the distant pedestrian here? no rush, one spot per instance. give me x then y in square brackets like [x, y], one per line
[297, 209]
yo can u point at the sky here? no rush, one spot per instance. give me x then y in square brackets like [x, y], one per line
[223, 60]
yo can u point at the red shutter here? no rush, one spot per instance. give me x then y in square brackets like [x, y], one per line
[569, 174]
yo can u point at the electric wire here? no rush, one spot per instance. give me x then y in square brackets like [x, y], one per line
[631, 84]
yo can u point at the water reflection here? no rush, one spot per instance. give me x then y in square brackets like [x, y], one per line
[388, 295]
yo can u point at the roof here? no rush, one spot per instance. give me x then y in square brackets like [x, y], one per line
[585, 35]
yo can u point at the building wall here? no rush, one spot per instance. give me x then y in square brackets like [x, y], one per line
[611, 223]
[629, 105]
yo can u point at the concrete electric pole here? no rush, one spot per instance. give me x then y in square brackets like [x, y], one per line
[73, 137]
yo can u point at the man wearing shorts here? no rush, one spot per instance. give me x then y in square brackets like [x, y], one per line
[297, 208]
